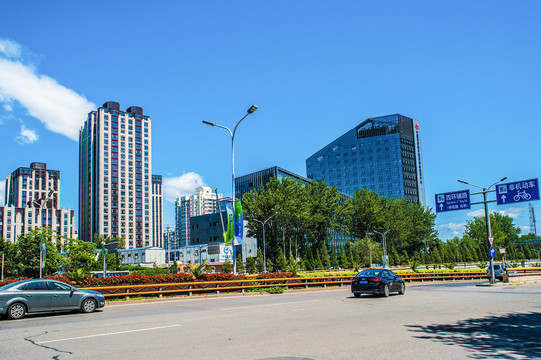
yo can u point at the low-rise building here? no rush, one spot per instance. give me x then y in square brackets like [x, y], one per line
[150, 256]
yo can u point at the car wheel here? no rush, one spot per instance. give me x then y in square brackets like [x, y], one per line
[402, 289]
[357, 295]
[88, 306]
[16, 311]
[385, 290]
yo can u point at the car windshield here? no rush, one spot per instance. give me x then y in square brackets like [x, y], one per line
[12, 285]
[370, 273]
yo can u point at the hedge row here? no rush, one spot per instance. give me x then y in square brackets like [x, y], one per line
[157, 279]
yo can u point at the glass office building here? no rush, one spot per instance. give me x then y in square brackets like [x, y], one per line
[382, 154]
[255, 180]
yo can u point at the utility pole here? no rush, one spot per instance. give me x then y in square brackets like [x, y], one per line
[168, 238]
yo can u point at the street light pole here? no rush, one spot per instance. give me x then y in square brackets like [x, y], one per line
[264, 255]
[232, 133]
[41, 235]
[383, 235]
[484, 191]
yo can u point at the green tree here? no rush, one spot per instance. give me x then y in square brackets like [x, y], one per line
[250, 265]
[281, 263]
[504, 231]
[82, 254]
[270, 265]
[241, 269]
[259, 262]
[342, 258]
[27, 253]
[325, 259]
[334, 258]
[227, 266]
[10, 264]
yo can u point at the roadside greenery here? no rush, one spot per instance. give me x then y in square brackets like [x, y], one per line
[310, 227]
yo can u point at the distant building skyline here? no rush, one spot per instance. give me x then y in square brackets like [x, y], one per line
[118, 196]
[382, 154]
[201, 203]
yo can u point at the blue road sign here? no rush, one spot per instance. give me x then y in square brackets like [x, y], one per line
[518, 191]
[491, 252]
[451, 201]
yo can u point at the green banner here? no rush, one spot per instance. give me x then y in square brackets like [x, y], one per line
[228, 235]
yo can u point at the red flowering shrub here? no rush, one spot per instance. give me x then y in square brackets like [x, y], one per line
[136, 279]
[5, 282]
[221, 277]
[275, 275]
[60, 278]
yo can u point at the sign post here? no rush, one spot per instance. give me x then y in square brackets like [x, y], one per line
[517, 191]
[451, 201]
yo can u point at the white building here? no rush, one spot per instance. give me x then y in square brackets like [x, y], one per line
[33, 201]
[116, 188]
[151, 256]
[202, 203]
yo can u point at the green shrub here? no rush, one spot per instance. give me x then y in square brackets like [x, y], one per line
[276, 289]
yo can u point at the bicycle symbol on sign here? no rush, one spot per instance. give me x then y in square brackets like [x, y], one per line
[522, 194]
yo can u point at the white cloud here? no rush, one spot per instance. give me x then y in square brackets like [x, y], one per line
[476, 213]
[176, 187]
[10, 49]
[511, 212]
[456, 229]
[60, 109]
[27, 136]
[2, 192]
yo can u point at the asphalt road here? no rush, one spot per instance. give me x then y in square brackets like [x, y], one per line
[431, 321]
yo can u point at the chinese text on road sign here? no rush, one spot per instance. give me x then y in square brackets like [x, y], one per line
[456, 200]
[518, 191]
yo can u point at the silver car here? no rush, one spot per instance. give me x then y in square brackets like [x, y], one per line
[40, 295]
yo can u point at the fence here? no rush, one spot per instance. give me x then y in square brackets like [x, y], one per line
[218, 287]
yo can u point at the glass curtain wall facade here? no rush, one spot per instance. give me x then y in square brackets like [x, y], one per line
[255, 180]
[382, 154]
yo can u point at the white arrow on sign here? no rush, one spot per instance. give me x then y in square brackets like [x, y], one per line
[441, 206]
[503, 198]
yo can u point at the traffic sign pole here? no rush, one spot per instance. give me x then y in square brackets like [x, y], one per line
[489, 232]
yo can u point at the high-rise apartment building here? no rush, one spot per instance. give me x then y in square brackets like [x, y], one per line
[33, 200]
[382, 154]
[203, 202]
[118, 195]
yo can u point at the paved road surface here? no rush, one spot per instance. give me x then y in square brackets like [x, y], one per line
[432, 321]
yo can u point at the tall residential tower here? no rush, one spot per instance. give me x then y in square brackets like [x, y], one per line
[117, 191]
[382, 154]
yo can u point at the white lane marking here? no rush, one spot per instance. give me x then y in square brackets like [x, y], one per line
[265, 305]
[107, 334]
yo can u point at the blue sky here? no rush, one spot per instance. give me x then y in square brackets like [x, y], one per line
[468, 71]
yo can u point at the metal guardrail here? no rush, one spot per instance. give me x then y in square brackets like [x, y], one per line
[218, 287]
[523, 271]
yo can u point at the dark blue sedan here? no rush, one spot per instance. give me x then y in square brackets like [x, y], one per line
[41, 295]
[377, 281]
